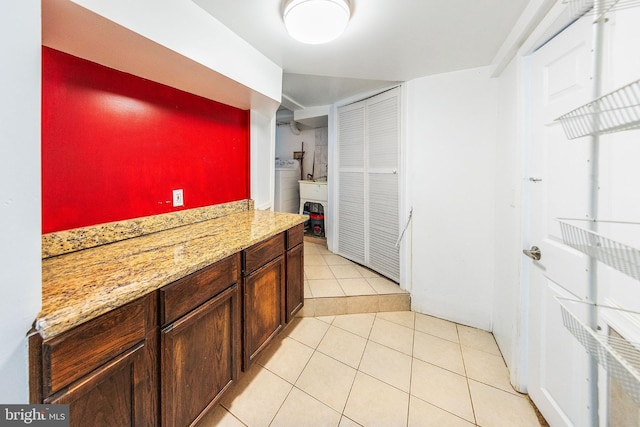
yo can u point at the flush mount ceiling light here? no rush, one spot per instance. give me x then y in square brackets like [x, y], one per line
[316, 21]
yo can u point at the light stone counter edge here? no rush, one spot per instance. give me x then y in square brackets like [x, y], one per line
[82, 285]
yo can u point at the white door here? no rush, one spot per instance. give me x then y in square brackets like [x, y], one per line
[368, 183]
[350, 224]
[383, 141]
[558, 186]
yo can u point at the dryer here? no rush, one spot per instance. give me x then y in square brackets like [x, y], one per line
[287, 192]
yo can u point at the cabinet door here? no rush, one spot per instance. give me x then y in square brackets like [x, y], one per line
[116, 394]
[200, 356]
[295, 281]
[263, 307]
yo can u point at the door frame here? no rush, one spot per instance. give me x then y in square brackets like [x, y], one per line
[539, 23]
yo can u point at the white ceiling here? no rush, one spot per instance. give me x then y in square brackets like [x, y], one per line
[386, 41]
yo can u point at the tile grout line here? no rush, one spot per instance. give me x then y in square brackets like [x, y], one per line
[359, 363]
[301, 371]
[466, 377]
[413, 359]
[368, 340]
[357, 370]
[231, 413]
[413, 351]
[514, 392]
[281, 404]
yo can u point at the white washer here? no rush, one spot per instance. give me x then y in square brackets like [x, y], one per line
[287, 190]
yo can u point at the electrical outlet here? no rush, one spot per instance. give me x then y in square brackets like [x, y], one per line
[178, 199]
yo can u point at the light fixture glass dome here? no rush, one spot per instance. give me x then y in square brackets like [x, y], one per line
[316, 21]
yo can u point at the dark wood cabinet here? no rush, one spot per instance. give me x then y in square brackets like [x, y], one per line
[295, 271]
[169, 356]
[261, 253]
[104, 369]
[200, 344]
[199, 360]
[111, 395]
[264, 296]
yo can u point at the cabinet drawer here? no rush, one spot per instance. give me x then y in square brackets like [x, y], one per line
[261, 253]
[79, 351]
[187, 293]
[295, 236]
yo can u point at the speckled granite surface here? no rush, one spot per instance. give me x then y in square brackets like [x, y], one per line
[88, 237]
[82, 285]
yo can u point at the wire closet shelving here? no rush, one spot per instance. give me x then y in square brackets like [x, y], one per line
[616, 111]
[579, 8]
[619, 357]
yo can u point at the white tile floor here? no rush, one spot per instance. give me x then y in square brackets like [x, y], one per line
[382, 369]
[329, 275]
[334, 285]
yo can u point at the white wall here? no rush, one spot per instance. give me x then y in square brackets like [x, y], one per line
[185, 28]
[451, 134]
[287, 142]
[315, 142]
[262, 155]
[321, 153]
[20, 266]
[508, 328]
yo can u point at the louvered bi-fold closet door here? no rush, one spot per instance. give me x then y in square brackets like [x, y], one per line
[382, 146]
[350, 209]
[368, 149]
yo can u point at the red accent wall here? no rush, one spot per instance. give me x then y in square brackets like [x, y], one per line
[114, 146]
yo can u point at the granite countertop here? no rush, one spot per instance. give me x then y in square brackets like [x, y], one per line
[80, 286]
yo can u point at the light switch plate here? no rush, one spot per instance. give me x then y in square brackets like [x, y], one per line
[178, 198]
